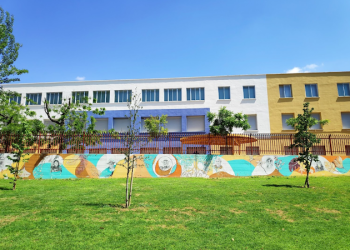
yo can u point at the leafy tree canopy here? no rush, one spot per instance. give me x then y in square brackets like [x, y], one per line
[8, 49]
[155, 125]
[225, 120]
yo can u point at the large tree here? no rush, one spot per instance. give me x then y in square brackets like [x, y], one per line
[304, 139]
[71, 118]
[12, 115]
[8, 49]
[225, 120]
[155, 126]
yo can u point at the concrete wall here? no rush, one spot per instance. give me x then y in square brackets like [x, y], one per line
[257, 106]
[328, 104]
[153, 166]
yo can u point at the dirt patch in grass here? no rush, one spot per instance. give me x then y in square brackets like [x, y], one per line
[328, 211]
[280, 215]
[155, 227]
[6, 220]
[236, 211]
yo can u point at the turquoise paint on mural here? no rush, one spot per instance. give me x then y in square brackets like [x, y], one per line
[346, 166]
[106, 173]
[241, 167]
[284, 167]
[44, 171]
[148, 160]
[94, 158]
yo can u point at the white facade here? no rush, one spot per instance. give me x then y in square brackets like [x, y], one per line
[256, 107]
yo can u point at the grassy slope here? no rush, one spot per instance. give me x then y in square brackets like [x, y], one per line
[182, 213]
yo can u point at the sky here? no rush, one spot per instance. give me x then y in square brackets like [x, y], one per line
[75, 40]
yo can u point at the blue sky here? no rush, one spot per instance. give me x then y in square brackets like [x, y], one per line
[70, 40]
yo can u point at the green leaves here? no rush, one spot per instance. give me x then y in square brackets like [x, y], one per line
[155, 126]
[304, 139]
[8, 49]
[225, 120]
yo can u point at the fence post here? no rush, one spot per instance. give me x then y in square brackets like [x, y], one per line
[330, 144]
[251, 147]
[39, 144]
[83, 142]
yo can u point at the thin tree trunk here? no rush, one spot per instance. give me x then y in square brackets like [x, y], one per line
[307, 180]
[131, 182]
[127, 187]
[15, 177]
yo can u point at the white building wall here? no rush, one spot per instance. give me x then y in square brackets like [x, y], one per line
[257, 106]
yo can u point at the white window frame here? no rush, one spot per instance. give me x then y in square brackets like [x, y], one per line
[167, 95]
[229, 93]
[49, 98]
[146, 98]
[189, 94]
[345, 83]
[284, 92]
[95, 96]
[312, 96]
[29, 103]
[76, 94]
[249, 86]
[117, 95]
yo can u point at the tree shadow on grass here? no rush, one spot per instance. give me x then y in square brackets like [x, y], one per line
[5, 188]
[103, 205]
[285, 186]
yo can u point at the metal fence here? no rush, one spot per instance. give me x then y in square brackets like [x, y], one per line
[175, 143]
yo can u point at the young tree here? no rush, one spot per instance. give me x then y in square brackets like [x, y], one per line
[8, 49]
[22, 141]
[155, 126]
[12, 115]
[304, 139]
[225, 120]
[130, 141]
[70, 118]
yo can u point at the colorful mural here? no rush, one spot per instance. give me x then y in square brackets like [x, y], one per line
[63, 166]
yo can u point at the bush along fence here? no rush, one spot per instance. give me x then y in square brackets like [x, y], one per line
[178, 143]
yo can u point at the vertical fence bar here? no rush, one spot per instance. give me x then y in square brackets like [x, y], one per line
[330, 144]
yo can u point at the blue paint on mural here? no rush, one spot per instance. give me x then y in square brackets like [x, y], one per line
[282, 164]
[106, 173]
[44, 171]
[346, 166]
[148, 160]
[94, 158]
[241, 167]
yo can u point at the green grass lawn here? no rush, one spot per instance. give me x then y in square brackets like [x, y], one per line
[181, 213]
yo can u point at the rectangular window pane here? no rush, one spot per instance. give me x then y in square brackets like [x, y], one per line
[202, 93]
[340, 89]
[245, 92]
[285, 117]
[148, 96]
[251, 92]
[197, 94]
[227, 93]
[193, 94]
[166, 95]
[314, 91]
[346, 89]
[116, 96]
[143, 95]
[308, 90]
[157, 95]
[188, 94]
[317, 117]
[180, 95]
[221, 93]
[287, 91]
[152, 95]
[345, 117]
[282, 91]
[174, 95]
[171, 95]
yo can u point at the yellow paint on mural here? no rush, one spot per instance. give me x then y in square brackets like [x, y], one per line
[71, 163]
[328, 104]
[120, 170]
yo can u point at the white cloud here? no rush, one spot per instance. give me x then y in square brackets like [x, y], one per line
[80, 78]
[295, 70]
[305, 69]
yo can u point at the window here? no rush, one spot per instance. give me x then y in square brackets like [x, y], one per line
[345, 117]
[174, 124]
[101, 96]
[285, 91]
[343, 89]
[80, 97]
[54, 98]
[101, 124]
[252, 122]
[122, 96]
[16, 98]
[121, 124]
[311, 90]
[150, 95]
[249, 92]
[195, 94]
[195, 123]
[224, 93]
[317, 116]
[172, 95]
[347, 149]
[33, 99]
[285, 117]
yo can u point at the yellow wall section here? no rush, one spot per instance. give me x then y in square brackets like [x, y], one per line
[328, 103]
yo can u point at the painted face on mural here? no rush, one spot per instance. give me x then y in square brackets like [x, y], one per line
[55, 166]
[165, 163]
[111, 165]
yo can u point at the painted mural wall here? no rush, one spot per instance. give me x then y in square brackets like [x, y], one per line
[63, 166]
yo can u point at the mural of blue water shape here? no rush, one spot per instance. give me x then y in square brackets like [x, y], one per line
[44, 171]
[346, 166]
[241, 167]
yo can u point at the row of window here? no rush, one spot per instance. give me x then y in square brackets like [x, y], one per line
[311, 90]
[148, 95]
[345, 117]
